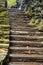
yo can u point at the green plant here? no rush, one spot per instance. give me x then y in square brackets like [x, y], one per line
[4, 23]
[34, 9]
[11, 3]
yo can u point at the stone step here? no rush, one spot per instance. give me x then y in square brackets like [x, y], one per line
[27, 36]
[17, 51]
[13, 14]
[24, 29]
[25, 63]
[26, 33]
[25, 42]
[27, 48]
[19, 25]
[34, 44]
[36, 56]
[19, 19]
[33, 38]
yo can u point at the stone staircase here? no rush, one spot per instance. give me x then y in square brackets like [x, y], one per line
[26, 42]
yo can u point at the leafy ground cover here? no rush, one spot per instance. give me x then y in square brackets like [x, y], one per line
[4, 31]
[34, 10]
